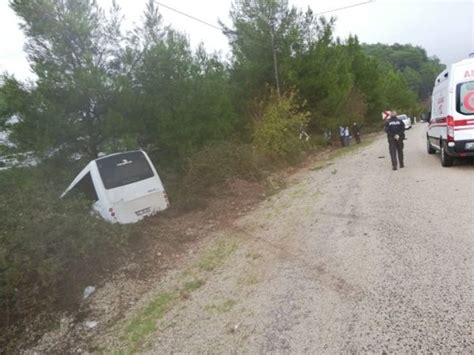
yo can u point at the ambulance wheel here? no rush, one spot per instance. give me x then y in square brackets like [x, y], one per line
[429, 148]
[446, 160]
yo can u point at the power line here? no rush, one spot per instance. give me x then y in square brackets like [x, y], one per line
[345, 7]
[220, 29]
[189, 16]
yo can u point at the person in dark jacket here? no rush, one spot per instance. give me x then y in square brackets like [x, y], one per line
[395, 129]
[356, 131]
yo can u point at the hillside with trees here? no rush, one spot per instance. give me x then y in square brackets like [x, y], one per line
[412, 62]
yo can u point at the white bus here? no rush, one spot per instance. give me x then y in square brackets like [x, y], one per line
[124, 187]
[451, 127]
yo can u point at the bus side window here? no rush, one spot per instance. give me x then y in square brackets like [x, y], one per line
[86, 187]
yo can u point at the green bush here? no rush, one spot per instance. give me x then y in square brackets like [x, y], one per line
[49, 247]
[277, 127]
[218, 162]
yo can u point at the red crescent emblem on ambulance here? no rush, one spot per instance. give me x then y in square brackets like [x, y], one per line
[469, 101]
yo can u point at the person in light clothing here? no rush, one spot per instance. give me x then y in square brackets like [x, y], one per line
[341, 135]
[347, 136]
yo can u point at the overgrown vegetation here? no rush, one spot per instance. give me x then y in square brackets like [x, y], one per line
[218, 162]
[203, 119]
[277, 125]
[49, 248]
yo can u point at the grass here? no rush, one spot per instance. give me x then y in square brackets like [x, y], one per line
[352, 148]
[221, 307]
[215, 257]
[273, 184]
[193, 285]
[249, 279]
[299, 191]
[253, 255]
[147, 321]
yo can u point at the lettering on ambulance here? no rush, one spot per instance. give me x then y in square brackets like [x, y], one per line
[469, 74]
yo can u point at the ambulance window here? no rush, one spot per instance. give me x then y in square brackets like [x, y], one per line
[465, 98]
[123, 169]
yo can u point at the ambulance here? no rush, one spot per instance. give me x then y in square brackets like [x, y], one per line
[123, 187]
[451, 126]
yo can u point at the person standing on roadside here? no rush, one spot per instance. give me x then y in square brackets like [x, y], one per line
[341, 135]
[356, 131]
[395, 129]
[347, 136]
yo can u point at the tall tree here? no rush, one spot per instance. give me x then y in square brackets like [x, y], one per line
[73, 49]
[322, 74]
[368, 77]
[262, 37]
[183, 95]
[397, 92]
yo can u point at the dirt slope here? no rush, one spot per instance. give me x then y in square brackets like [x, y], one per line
[352, 257]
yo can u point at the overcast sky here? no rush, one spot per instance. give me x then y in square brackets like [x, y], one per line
[445, 28]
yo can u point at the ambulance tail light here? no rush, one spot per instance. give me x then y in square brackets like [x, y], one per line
[450, 122]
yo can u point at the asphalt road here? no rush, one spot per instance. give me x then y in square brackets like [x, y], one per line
[353, 257]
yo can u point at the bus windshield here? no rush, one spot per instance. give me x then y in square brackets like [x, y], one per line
[123, 169]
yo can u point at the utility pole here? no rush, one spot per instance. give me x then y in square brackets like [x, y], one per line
[275, 64]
